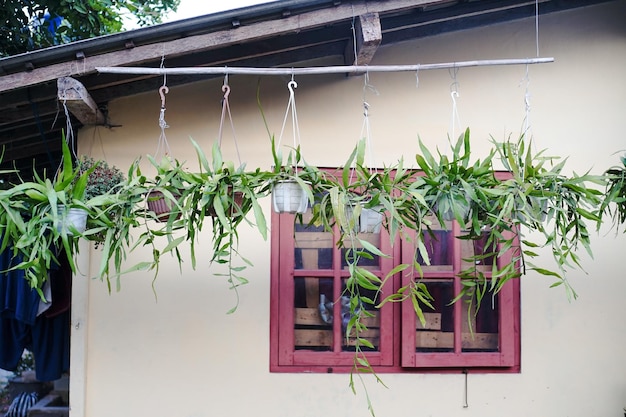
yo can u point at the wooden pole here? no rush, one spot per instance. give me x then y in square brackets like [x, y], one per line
[316, 70]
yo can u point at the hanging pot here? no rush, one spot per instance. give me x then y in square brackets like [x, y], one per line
[371, 220]
[72, 219]
[288, 196]
[237, 200]
[445, 210]
[160, 206]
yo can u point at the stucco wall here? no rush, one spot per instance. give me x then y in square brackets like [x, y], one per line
[181, 355]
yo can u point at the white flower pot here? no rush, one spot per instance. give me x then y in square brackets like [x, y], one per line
[371, 220]
[289, 197]
[72, 219]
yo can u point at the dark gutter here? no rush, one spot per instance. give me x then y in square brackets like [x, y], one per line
[157, 33]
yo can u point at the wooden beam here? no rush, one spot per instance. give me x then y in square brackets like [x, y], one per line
[368, 36]
[76, 98]
[207, 41]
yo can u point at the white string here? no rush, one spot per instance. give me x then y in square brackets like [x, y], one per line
[162, 144]
[162, 66]
[537, 26]
[526, 80]
[365, 128]
[454, 94]
[291, 109]
[69, 131]
[356, 61]
[417, 77]
[226, 109]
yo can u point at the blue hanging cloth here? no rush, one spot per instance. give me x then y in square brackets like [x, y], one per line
[47, 335]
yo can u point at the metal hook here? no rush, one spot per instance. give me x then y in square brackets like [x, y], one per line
[162, 92]
[226, 91]
[292, 84]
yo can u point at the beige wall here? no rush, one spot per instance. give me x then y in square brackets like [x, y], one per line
[181, 355]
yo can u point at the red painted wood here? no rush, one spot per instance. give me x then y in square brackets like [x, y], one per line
[397, 350]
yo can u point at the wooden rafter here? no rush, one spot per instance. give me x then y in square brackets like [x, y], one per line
[207, 41]
[76, 98]
[367, 38]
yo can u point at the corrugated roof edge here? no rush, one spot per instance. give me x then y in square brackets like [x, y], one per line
[156, 33]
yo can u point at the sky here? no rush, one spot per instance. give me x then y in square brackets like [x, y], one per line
[192, 8]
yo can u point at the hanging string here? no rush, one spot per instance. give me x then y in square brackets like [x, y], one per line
[354, 38]
[162, 145]
[526, 80]
[96, 137]
[365, 128]
[417, 77]
[537, 26]
[69, 130]
[162, 66]
[226, 109]
[291, 109]
[454, 94]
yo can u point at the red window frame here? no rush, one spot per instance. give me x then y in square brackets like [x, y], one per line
[397, 342]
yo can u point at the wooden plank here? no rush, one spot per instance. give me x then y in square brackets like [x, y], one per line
[319, 240]
[437, 268]
[433, 322]
[311, 317]
[314, 240]
[312, 337]
[445, 340]
[74, 95]
[308, 316]
[311, 285]
[317, 338]
[368, 35]
[312, 291]
[204, 42]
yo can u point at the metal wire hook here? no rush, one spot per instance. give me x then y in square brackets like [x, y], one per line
[162, 92]
[226, 91]
[292, 84]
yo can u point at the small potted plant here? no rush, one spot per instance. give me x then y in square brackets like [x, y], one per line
[169, 184]
[33, 224]
[449, 183]
[103, 181]
[291, 183]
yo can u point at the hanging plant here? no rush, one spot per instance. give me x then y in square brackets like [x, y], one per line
[291, 189]
[33, 220]
[292, 181]
[615, 193]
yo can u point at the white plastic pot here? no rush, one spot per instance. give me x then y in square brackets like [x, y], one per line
[371, 220]
[289, 197]
[72, 219]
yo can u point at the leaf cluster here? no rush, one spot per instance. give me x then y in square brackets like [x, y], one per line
[27, 25]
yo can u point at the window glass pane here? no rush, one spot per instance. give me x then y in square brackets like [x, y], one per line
[369, 317]
[313, 246]
[480, 332]
[478, 253]
[440, 248]
[437, 335]
[313, 329]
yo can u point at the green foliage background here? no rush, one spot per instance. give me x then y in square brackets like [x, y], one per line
[20, 30]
